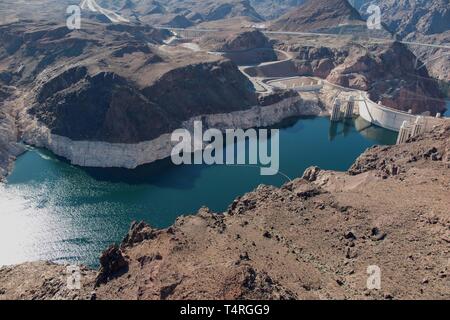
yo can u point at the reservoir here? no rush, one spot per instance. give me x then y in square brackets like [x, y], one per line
[51, 210]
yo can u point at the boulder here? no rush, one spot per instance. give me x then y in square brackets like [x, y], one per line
[112, 263]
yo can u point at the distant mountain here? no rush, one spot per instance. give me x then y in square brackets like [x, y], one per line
[151, 12]
[194, 11]
[272, 9]
[406, 17]
[420, 21]
[92, 6]
[319, 15]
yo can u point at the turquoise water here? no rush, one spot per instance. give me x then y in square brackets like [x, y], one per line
[52, 210]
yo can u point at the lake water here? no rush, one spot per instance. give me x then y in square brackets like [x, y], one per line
[51, 210]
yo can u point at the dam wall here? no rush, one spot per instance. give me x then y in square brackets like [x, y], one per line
[388, 118]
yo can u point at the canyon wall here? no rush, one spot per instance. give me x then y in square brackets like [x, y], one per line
[131, 155]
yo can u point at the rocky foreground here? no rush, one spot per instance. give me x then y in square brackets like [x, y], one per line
[313, 238]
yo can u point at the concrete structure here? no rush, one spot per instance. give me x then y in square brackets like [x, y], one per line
[300, 84]
[404, 133]
[418, 127]
[349, 107]
[336, 111]
[104, 154]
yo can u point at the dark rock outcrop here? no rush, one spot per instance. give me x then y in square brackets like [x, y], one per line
[269, 10]
[390, 75]
[112, 264]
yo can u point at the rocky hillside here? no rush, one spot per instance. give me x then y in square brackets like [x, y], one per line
[9, 148]
[115, 83]
[389, 74]
[247, 40]
[152, 12]
[313, 238]
[244, 47]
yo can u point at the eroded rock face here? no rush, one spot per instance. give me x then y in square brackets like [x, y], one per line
[9, 146]
[258, 285]
[390, 76]
[108, 107]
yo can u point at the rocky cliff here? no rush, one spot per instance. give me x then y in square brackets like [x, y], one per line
[390, 75]
[313, 238]
[419, 21]
[107, 107]
[9, 135]
[9, 148]
[245, 40]
[90, 153]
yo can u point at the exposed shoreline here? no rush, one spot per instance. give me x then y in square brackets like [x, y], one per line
[130, 156]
